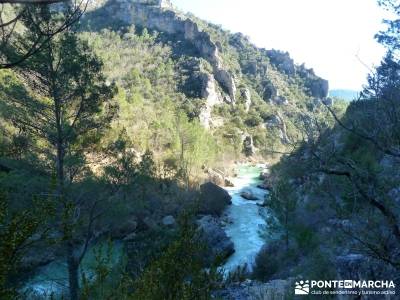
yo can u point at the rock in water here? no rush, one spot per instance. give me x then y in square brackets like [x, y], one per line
[248, 195]
[212, 234]
[264, 175]
[265, 186]
[213, 199]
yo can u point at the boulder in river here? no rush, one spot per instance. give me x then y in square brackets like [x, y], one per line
[213, 199]
[212, 234]
[248, 195]
[264, 175]
[265, 186]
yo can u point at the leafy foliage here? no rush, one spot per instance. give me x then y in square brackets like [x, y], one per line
[178, 273]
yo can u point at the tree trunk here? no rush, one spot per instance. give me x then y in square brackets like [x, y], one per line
[73, 272]
[60, 169]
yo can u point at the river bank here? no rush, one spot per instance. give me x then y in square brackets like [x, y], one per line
[243, 222]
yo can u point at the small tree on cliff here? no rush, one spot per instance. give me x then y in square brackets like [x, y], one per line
[68, 112]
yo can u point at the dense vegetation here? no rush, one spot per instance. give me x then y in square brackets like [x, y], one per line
[102, 144]
[338, 209]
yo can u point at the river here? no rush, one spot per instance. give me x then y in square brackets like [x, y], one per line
[245, 228]
[51, 280]
[247, 225]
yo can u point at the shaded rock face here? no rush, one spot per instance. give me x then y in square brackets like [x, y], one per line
[270, 91]
[212, 234]
[227, 82]
[210, 93]
[159, 17]
[209, 90]
[278, 122]
[319, 88]
[282, 61]
[213, 199]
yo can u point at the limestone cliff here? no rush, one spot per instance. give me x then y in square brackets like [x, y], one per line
[235, 88]
[159, 15]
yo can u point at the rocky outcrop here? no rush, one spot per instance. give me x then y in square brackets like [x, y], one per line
[276, 121]
[209, 90]
[248, 146]
[319, 88]
[157, 15]
[246, 96]
[270, 91]
[282, 61]
[279, 100]
[160, 3]
[210, 93]
[211, 233]
[213, 199]
[218, 177]
[227, 82]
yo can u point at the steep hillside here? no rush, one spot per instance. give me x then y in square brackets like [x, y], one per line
[123, 142]
[248, 98]
[339, 206]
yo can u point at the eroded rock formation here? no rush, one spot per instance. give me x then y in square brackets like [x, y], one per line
[159, 15]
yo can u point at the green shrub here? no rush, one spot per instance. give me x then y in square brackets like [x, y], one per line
[178, 274]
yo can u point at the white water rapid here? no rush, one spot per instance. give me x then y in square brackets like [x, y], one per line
[246, 225]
